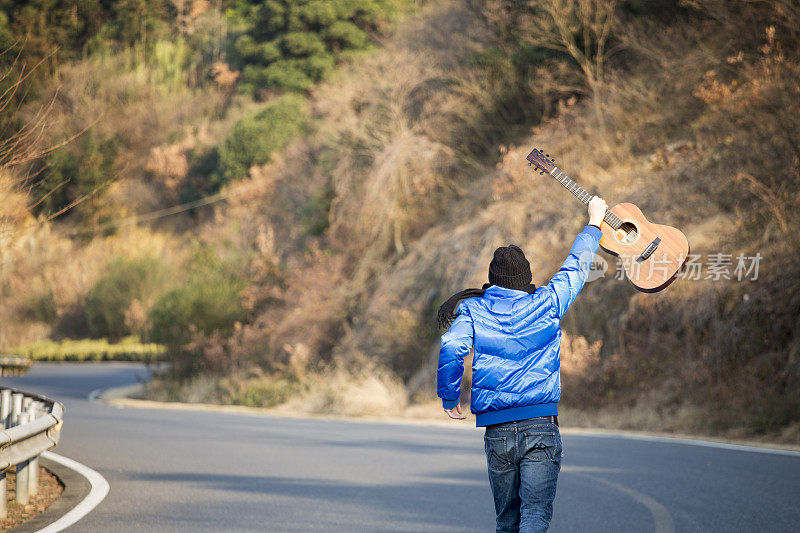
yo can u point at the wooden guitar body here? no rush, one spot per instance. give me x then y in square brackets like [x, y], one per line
[651, 254]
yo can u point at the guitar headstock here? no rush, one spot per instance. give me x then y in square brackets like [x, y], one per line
[541, 161]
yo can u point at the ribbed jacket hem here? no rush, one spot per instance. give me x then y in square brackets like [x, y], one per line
[515, 413]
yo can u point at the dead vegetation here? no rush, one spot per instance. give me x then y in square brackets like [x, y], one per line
[414, 171]
[669, 356]
[50, 488]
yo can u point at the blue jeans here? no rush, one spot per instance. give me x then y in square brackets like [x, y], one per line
[524, 459]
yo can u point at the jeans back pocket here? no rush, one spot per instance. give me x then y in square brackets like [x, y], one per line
[497, 456]
[540, 446]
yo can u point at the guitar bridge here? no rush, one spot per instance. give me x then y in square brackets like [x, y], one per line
[649, 250]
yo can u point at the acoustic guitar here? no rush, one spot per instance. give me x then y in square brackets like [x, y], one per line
[651, 254]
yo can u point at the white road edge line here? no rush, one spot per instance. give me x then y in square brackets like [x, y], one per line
[95, 393]
[690, 442]
[96, 494]
[661, 518]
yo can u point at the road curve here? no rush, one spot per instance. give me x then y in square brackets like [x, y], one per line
[194, 471]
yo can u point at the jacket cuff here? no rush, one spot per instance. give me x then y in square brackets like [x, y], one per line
[449, 404]
[594, 231]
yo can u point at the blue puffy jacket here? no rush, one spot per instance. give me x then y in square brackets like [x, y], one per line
[516, 338]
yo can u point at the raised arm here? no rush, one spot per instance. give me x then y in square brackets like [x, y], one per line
[456, 344]
[569, 279]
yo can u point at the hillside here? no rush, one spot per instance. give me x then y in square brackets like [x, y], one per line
[345, 204]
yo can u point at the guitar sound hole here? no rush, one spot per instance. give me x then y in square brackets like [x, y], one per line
[627, 233]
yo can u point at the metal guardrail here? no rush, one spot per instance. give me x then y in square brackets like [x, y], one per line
[14, 365]
[31, 424]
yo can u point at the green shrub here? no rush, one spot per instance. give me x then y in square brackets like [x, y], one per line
[269, 52]
[203, 164]
[246, 47]
[208, 306]
[127, 349]
[112, 294]
[343, 34]
[75, 171]
[136, 20]
[210, 300]
[315, 212]
[265, 393]
[286, 73]
[169, 62]
[277, 32]
[254, 139]
[302, 43]
[6, 34]
[316, 66]
[40, 307]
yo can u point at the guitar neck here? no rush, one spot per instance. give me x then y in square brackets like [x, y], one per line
[610, 218]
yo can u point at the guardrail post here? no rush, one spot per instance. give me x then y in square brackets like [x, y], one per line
[23, 488]
[23, 473]
[3, 494]
[16, 408]
[33, 474]
[5, 408]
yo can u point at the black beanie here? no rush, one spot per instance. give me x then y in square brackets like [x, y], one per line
[509, 268]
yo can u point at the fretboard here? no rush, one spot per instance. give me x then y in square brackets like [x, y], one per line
[610, 218]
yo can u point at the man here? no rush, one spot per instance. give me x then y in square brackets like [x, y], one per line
[515, 331]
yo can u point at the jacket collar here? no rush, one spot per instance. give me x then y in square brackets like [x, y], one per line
[502, 292]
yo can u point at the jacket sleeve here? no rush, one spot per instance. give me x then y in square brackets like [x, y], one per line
[456, 344]
[569, 279]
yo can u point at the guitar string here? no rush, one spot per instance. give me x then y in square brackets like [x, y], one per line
[613, 220]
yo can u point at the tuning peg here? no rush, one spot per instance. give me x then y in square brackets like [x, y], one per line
[547, 155]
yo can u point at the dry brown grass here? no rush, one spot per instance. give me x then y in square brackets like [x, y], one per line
[120, 100]
[367, 391]
[392, 123]
[354, 234]
[115, 97]
[40, 259]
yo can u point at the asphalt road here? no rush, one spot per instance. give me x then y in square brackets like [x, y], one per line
[193, 471]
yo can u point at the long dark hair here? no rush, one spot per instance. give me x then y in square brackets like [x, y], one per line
[445, 316]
